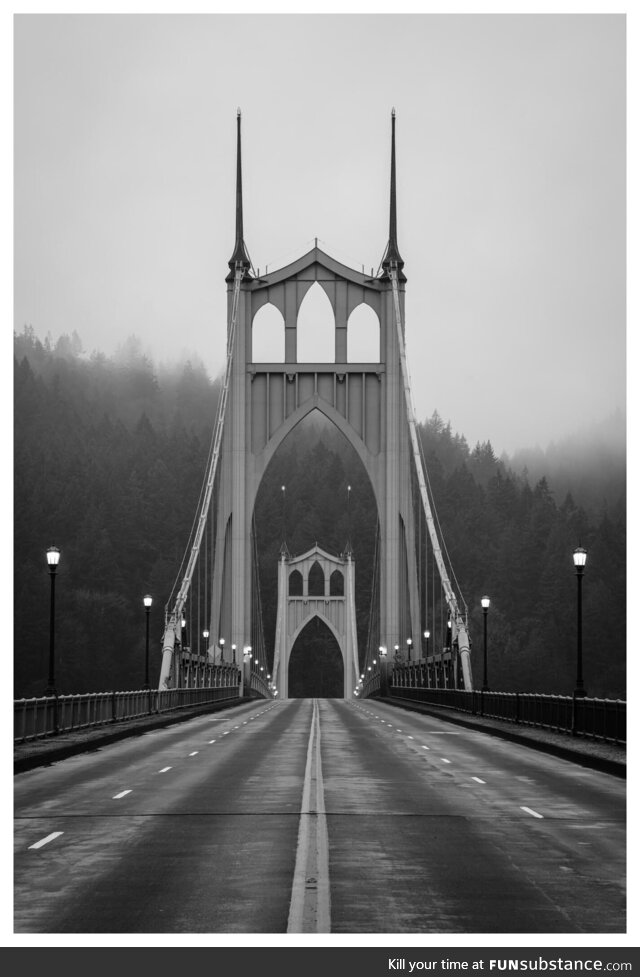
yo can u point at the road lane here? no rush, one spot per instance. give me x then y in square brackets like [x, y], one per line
[426, 828]
[208, 846]
[418, 845]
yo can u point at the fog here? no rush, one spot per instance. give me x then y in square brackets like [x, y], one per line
[511, 190]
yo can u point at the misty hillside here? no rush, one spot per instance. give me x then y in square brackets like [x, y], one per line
[109, 458]
[590, 464]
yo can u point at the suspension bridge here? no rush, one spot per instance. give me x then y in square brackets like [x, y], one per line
[267, 813]
[371, 405]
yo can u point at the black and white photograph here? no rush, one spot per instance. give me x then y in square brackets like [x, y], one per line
[319, 405]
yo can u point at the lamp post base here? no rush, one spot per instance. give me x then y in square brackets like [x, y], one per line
[580, 692]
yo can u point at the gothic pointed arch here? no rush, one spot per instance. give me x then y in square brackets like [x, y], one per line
[336, 584]
[316, 327]
[363, 335]
[267, 335]
[315, 587]
[296, 584]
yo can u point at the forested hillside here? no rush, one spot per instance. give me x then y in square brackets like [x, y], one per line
[109, 459]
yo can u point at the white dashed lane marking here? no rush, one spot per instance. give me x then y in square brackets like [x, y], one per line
[478, 780]
[164, 769]
[45, 841]
[123, 793]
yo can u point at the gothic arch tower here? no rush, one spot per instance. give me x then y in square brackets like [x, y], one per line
[366, 402]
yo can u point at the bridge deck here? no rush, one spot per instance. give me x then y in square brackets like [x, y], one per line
[410, 824]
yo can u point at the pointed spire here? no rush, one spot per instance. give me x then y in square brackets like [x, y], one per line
[240, 250]
[392, 253]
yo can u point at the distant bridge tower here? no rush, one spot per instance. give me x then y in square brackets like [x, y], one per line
[320, 585]
[365, 401]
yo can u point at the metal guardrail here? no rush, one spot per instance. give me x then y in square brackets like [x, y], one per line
[257, 686]
[604, 719]
[46, 716]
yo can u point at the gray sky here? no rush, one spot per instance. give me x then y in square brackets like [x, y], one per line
[511, 189]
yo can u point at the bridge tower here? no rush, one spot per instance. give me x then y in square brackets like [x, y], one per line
[365, 401]
[332, 599]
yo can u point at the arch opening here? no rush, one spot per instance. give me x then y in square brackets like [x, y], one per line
[295, 584]
[316, 463]
[363, 335]
[316, 328]
[315, 664]
[267, 335]
[316, 581]
[336, 584]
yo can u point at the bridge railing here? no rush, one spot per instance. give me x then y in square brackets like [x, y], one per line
[45, 716]
[603, 719]
[257, 686]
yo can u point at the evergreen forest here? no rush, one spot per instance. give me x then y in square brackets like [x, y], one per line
[109, 459]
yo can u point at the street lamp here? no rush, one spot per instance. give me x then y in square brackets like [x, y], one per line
[427, 634]
[53, 558]
[485, 601]
[579, 560]
[233, 649]
[147, 601]
[221, 643]
[409, 646]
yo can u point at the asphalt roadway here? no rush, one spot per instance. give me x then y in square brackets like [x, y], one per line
[318, 816]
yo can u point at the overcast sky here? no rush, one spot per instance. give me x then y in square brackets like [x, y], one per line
[511, 190]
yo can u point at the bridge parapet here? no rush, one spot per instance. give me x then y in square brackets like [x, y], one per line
[49, 715]
[602, 719]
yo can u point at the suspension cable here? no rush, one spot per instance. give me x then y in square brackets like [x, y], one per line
[207, 487]
[450, 596]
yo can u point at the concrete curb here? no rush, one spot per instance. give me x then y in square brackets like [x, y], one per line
[52, 749]
[583, 757]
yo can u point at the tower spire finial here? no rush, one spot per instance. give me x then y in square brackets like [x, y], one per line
[392, 254]
[240, 251]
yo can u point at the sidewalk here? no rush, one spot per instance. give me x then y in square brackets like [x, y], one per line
[608, 757]
[49, 749]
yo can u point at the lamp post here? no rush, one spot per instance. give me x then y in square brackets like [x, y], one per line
[206, 675]
[53, 558]
[246, 684]
[183, 631]
[147, 601]
[485, 601]
[233, 649]
[579, 560]
[409, 646]
[221, 643]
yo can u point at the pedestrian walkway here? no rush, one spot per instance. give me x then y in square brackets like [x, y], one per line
[609, 757]
[600, 755]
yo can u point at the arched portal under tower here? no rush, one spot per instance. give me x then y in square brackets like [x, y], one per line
[317, 602]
